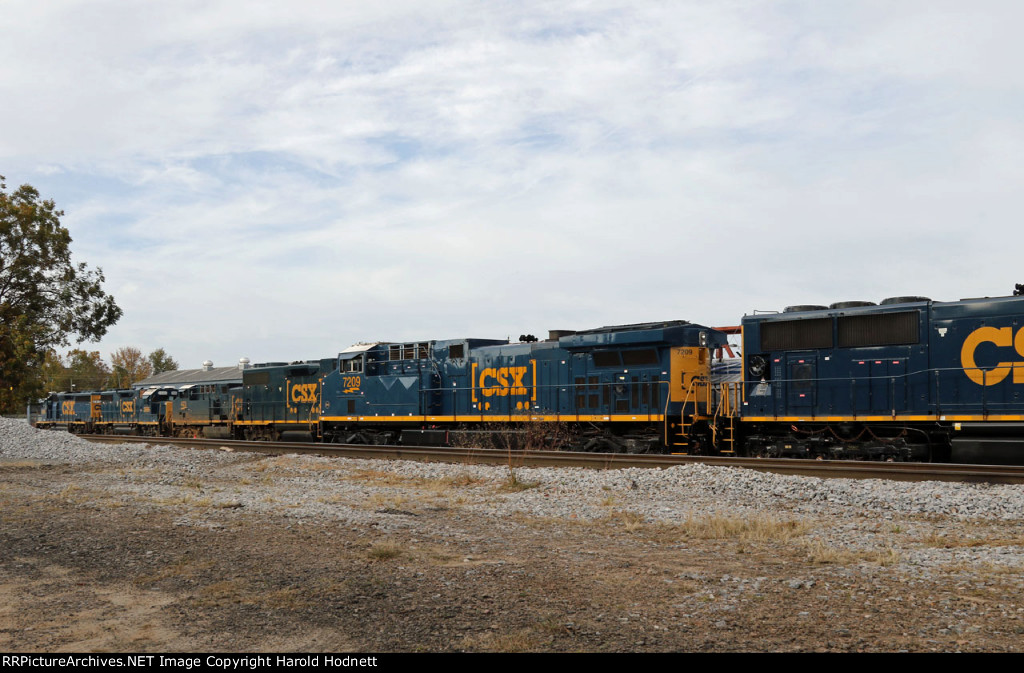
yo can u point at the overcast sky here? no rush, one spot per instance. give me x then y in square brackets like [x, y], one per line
[280, 180]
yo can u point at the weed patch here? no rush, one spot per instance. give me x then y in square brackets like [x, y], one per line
[383, 551]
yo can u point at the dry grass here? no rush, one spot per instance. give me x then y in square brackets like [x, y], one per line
[183, 568]
[382, 478]
[625, 520]
[239, 592]
[270, 464]
[332, 499]
[996, 569]
[387, 501]
[513, 484]
[442, 484]
[686, 587]
[281, 599]
[463, 480]
[948, 542]
[536, 522]
[19, 464]
[553, 625]
[754, 529]
[439, 557]
[228, 504]
[324, 465]
[383, 551]
[820, 553]
[523, 640]
[221, 593]
[189, 499]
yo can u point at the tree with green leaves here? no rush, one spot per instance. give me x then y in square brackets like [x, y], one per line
[46, 300]
[79, 370]
[88, 371]
[53, 373]
[161, 361]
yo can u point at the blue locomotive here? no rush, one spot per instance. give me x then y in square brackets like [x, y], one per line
[622, 388]
[632, 388]
[141, 412]
[907, 379]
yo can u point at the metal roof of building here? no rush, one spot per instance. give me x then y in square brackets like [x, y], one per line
[183, 377]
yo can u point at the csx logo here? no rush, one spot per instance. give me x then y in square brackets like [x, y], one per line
[1002, 337]
[67, 408]
[501, 381]
[304, 393]
[128, 406]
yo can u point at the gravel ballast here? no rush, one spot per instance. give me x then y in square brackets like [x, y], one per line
[854, 533]
[559, 492]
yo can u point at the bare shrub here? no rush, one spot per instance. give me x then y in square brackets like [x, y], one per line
[515, 436]
[383, 551]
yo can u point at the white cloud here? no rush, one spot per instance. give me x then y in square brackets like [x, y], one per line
[280, 180]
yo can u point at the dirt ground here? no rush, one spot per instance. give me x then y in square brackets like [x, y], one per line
[79, 575]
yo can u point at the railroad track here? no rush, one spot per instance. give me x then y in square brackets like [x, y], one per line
[848, 469]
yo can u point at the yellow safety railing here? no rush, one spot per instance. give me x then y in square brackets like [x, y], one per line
[697, 385]
[725, 415]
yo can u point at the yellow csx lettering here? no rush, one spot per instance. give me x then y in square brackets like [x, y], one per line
[1001, 337]
[502, 381]
[128, 407]
[304, 393]
[67, 408]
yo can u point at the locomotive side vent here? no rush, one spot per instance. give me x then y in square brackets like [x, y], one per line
[796, 334]
[879, 329]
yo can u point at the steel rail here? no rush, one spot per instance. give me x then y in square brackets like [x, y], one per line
[811, 468]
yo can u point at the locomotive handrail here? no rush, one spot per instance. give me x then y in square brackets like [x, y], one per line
[929, 380]
[648, 405]
[725, 406]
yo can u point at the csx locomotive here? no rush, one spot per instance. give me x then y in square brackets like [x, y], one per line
[908, 379]
[624, 388]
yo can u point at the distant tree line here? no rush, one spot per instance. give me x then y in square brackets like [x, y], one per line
[86, 370]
